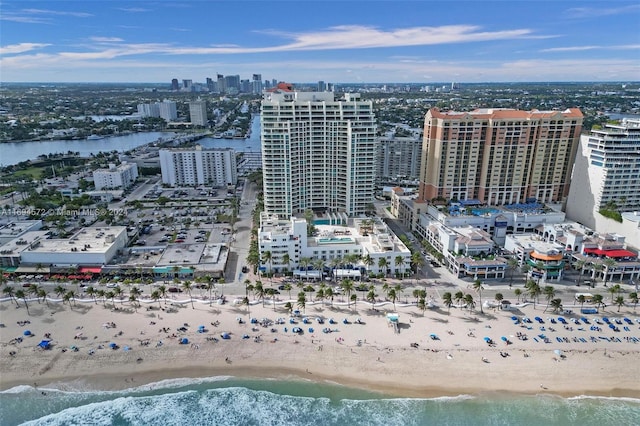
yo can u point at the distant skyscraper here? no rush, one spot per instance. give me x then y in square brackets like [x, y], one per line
[212, 85]
[398, 158]
[245, 86]
[318, 152]
[232, 84]
[499, 156]
[222, 86]
[606, 172]
[256, 84]
[321, 86]
[198, 113]
[187, 85]
[175, 86]
[149, 110]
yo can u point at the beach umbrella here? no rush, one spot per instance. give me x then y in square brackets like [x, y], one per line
[504, 339]
[27, 333]
[126, 348]
[558, 352]
[487, 339]
[45, 344]
[113, 345]
[310, 329]
[184, 341]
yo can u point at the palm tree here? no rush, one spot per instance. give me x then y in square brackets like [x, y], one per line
[102, 295]
[288, 288]
[458, 297]
[42, 294]
[613, 291]
[619, 301]
[271, 292]
[383, 264]
[111, 295]
[416, 260]
[91, 292]
[347, 286]
[608, 265]
[163, 292]
[371, 297]
[320, 293]
[20, 294]
[399, 262]
[155, 296]
[597, 268]
[477, 286]
[70, 296]
[468, 299]
[517, 292]
[549, 293]
[422, 305]
[59, 291]
[633, 298]
[33, 289]
[447, 299]
[118, 292]
[393, 296]
[9, 291]
[328, 293]
[581, 299]
[133, 299]
[499, 297]
[533, 288]
[286, 259]
[556, 304]
[186, 285]
[304, 263]
[245, 301]
[354, 299]
[259, 291]
[598, 300]
[512, 264]
[267, 257]
[367, 260]
[302, 300]
[579, 265]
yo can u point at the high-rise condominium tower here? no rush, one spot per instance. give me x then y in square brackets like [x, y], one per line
[198, 113]
[318, 152]
[499, 156]
[606, 173]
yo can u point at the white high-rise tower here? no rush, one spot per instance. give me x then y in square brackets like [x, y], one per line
[318, 152]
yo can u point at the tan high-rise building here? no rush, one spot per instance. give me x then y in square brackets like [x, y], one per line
[499, 156]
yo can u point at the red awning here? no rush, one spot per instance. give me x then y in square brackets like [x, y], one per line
[610, 253]
[91, 269]
[620, 253]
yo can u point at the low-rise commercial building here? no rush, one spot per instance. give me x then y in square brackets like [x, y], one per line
[365, 244]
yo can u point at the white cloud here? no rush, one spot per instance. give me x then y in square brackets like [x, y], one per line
[55, 12]
[21, 47]
[583, 48]
[106, 39]
[590, 12]
[134, 9]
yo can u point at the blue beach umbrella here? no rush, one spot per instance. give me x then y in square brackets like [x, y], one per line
[27, 333]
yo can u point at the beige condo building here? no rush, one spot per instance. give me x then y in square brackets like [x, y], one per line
[499, 156]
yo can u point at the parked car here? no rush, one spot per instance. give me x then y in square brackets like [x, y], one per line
[174, 290]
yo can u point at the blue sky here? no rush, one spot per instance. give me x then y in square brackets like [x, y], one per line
[305, 41]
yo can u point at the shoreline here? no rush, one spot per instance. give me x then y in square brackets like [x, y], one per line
[368, 356]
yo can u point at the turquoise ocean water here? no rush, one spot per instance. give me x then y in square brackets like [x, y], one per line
[233, 401]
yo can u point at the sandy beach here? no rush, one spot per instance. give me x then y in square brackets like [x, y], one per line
[370, 354]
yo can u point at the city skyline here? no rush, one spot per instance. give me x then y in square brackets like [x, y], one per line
[342, 42]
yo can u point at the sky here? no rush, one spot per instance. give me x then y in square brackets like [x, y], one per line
[364, 41]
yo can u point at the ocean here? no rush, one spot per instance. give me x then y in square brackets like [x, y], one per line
[234, 401]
